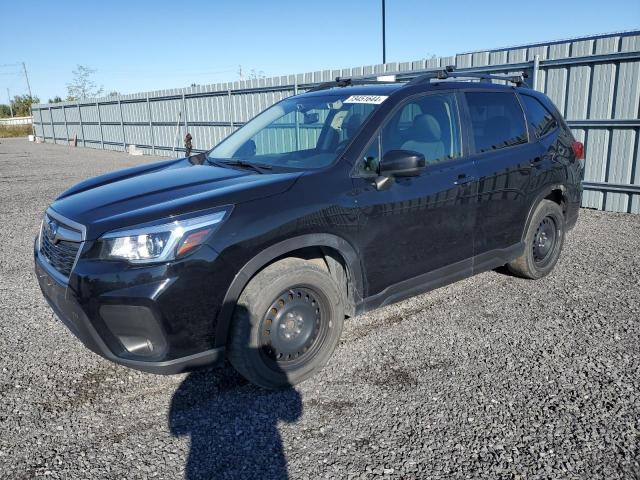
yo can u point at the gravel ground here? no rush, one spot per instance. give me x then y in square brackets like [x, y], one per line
[492, 377]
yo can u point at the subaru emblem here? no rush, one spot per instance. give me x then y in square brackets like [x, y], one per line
[53, 231]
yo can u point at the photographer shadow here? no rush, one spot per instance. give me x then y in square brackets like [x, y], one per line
[232, 425]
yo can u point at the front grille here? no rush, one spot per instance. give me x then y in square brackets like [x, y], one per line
[61, 253]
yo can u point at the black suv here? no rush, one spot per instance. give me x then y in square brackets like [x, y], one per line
[328, 204]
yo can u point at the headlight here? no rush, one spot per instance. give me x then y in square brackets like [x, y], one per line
[159, 243]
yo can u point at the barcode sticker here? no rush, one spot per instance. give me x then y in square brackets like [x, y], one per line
[372, 99]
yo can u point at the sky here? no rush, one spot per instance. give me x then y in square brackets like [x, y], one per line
[137, 46]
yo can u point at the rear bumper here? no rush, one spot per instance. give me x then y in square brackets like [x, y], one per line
[68, 309]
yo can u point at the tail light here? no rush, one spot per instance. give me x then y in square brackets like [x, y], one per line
[578, 150]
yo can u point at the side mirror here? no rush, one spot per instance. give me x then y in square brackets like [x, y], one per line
[311, 117]
[402, 163]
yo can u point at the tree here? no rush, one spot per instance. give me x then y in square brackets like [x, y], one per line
[5, 111]
[55, 99]
[114, 94]
[22, 105]
[253, 74]
[256, 75]
[82, 85]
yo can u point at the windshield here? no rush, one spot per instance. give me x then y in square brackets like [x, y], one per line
[299, 132]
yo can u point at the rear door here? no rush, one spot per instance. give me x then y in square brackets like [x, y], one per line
[504, 158]
[419, 224]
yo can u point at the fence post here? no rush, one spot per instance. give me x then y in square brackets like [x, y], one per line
[186, 121]
[124, 138]
[153, 141]
[230, 107]
[66, 126]
[100, 125]
[295, 92]
[536, 67]
[53, 128]
[33, 122]
[84, 143]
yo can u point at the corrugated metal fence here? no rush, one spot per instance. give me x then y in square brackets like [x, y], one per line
[594, 81]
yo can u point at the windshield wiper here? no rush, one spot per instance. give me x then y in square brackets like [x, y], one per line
[258, 167]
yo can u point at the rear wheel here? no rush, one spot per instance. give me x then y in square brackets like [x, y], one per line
[286, 324]
[543, 242]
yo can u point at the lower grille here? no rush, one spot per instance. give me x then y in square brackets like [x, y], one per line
[56, 247]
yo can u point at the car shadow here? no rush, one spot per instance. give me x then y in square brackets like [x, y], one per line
[232, 425]
[503, 270]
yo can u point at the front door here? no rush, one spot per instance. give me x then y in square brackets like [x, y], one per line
[418, 225]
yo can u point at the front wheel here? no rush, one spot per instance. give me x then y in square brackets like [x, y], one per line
[286, 324]
[543, 242]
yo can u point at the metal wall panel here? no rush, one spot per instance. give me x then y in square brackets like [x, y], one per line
[594, 81]
[109, 112]
[71, 114]
[620, 165]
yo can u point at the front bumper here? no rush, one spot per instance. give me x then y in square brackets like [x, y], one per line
[87, 318]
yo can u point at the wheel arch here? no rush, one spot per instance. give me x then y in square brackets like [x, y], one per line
[326, 243]
[556, 193]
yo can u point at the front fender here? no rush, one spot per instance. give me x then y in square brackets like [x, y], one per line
[266, 256]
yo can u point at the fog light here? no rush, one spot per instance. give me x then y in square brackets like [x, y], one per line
[137, 345]
[137, 330]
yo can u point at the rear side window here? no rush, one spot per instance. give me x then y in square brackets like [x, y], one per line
[540, 119]
[497, 120]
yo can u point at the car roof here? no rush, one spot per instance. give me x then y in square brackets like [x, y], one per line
[388, 88]
[370, 89]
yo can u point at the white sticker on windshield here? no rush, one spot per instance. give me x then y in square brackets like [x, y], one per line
[373, 99]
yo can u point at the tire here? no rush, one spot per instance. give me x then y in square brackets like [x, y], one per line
[543, 242]
[286, 324]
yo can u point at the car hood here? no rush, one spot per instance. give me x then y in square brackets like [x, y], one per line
[161, 190]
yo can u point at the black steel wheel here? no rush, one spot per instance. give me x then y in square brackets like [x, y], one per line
[286, 324]
[543, 242]
[294, 327]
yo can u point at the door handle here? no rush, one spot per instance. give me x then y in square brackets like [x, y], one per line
[463, 178]
[535, 161]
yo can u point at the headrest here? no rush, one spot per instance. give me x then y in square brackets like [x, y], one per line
[426, 128]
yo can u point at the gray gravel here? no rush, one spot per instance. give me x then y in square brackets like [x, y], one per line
[492, 377]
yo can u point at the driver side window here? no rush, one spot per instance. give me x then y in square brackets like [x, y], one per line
[427, 124]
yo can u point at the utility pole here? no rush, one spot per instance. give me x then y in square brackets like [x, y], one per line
[10, 105]
[26, 77]
[33, 125]
[384, 35]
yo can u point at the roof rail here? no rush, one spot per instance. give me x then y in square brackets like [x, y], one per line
[449, 72]
[444, 74]
[346, 82]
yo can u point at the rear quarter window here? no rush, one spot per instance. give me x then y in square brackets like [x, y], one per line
[497, 120]
[541, 120]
